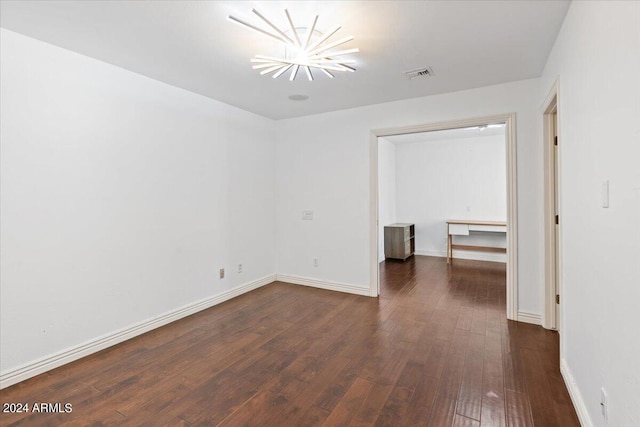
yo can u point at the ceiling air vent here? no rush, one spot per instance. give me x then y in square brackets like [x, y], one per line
[419, 73]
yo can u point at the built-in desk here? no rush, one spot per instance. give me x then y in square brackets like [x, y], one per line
[465, 227]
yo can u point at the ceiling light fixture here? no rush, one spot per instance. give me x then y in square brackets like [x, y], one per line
[304, 48]
[491, 126]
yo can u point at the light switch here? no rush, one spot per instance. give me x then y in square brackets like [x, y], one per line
[307, 215]
[605, 194]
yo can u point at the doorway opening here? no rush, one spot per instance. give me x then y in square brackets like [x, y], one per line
[507, 122]
[551, 211]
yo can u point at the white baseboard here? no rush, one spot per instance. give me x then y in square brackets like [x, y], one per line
[532, 318]
[331, 286]
[574, 393]
[45, 364]
[430, 253]
[462, 254]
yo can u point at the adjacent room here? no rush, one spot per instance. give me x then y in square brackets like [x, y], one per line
[390, 213]
[432, 178]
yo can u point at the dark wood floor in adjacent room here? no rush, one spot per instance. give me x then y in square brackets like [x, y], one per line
[434, 349]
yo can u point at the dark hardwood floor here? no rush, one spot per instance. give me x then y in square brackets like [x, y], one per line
[434, 349]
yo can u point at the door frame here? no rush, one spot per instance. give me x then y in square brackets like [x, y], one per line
[552, 242]
[512, 212]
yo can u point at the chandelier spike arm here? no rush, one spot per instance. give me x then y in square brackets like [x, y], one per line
[328, 74]
[327, 67]
[278, 30]
[324, 38]
[271, 69]
[309, 74]
[282, 70]
[293, 28]
[327, 60]
[346, 67]
[331, 46]
[294, 72]
[265, 65]
[268, 58]
[267, 33]
[310, 33]
[338, 53]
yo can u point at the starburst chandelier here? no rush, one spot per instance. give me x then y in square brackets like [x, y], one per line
[304, 48]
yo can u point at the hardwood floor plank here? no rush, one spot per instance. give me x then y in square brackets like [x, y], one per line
[493, 413]
[349, 404]
[395, 406]
[539, 390]
[443, 413]
[336, 391]
[314, 416]
[449, 384]
[514, 374]
[470, 395]
[518, 409]
[371, 406]
[465, 318]
[298, 406]
[419, 407]
[460, 421]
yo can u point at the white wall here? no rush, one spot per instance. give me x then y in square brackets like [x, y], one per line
[386, 190]
[597, 60]
[452, 179]
[121, 198]
[323, 164]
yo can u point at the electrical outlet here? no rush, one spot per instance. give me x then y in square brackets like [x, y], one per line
[315, 262]
[239, 268]
[604, 404]
[222, 273]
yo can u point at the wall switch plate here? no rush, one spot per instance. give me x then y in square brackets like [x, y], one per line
[307, 215]
[605, 194]
[222, 273]
[315, 262]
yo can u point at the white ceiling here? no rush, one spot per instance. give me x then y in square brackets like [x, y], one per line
[191, 44]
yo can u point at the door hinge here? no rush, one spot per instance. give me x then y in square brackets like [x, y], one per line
[557, 299]
[557, 219]
[555, 140]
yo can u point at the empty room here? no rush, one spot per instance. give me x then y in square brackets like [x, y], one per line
[288, 213]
